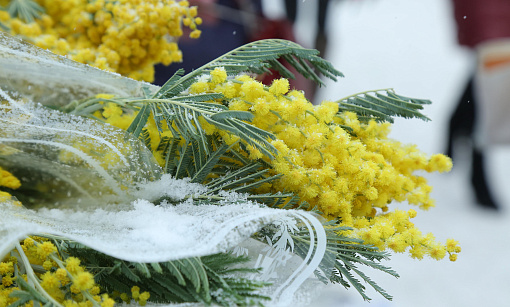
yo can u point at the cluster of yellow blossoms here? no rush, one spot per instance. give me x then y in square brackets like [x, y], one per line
[352, 174]
[349, 174]
[54, 276]
[57, 278]
[128, 37]
[6, 273]
[8, 180]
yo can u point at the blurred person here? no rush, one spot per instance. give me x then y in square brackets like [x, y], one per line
[480, 115]
[227, 24]
[280, 25]
[320, 40]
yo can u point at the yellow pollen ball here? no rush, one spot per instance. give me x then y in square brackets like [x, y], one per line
[279, 87]
[83, 281]
[195, 34]
[73, 265]
[6, 268]
[218, 75]
[45, 249]
[412, 213]
[108, 303]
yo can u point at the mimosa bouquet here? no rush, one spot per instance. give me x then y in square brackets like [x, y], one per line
[213, 189]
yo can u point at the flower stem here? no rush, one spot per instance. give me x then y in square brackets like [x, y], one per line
[32, 278]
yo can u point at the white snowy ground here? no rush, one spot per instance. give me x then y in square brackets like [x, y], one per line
[410, 46]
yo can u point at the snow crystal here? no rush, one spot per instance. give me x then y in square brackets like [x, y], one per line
[203, 78]
[142, 231]
[167, 186]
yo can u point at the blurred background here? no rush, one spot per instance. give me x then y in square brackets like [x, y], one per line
[412, 47]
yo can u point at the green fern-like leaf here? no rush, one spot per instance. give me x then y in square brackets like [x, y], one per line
[277, 200]
[248, 187]
[241, 115]
[140, 120]
[183, 119]
[174, 270]
[143, 269]
[172, 83]
[199, 98]
[343, 254]
[26, 10]
[130, 272]
[383, 105]
[186, 280]
[193, 270]
[204, 167]
[28, 293]
[183, 163]
[23, 297]
[168, 148]
[237, 177]
[258, 57]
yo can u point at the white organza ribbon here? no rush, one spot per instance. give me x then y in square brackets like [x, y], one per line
[149, 233]
[144, 232]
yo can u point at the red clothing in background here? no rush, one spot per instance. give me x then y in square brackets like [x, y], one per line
[481, 20]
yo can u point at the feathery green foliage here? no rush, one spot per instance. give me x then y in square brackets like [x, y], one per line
[351, 252]
[26, 10]
[382, 105]
[215, 279]
[343, 254]
[257, 57]
[26, 294]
